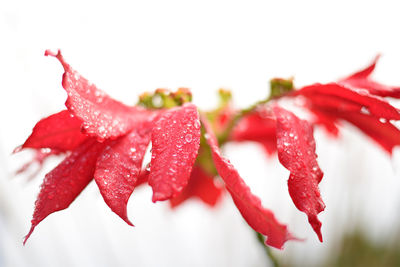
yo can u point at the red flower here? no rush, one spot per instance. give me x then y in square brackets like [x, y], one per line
[107, 141]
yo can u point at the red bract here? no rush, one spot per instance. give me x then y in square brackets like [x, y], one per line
[361, 79]
[118, 168]
[296, 151]
[102, 116]
[330, 123]
[381, 131]
[201, 185]
[258, 126]
[63, 184]
[372, 115]
[259, 218]
[339, 97]
[60, 131]
[176, 141]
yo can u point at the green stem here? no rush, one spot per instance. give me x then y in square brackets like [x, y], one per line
[267, 250]
[225, 135]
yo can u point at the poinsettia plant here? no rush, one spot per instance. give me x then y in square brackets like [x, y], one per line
[105, 140]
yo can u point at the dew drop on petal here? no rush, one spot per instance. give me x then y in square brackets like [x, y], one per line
[188, 138]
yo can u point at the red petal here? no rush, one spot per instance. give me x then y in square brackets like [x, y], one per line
[364, 73]
[260, 219]
[361, 80]
[346, 97]
[118, 168]
[59, 131]
[64, 183]
[102, 116]
[176, 141]
[296, 151]
[329, 122]
[200, 185]
[383, 132]
[257, 127]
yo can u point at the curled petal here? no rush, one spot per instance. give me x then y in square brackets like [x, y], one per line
[338, 96]
[176, 141]
[102, 116]
[60, 131]
[118, 168]
[296, 152]
[260, 219]
[64, 183]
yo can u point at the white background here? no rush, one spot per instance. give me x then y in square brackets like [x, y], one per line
[129, 47]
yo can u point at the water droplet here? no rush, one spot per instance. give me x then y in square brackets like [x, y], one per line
[197, 124]
[364, 110]
[45, 150]
[105, 182]
[291, 134]
[382, 120]
[286, 144]
[133, 150]
[188, 138]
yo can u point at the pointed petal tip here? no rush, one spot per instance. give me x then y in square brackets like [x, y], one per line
[29, 234]
[57, 55]
[48, 52]
[316, 225]
[17, 149]
[128, 222]
[158, 196]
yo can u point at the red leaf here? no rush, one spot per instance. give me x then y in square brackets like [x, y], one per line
[118, 168]
[296, 151]
[257, 127]
[345, 98]
[64, 183]
[59, 131]
[260, 219]
[364, 73]
[362, 80]
[102, 116]
[176, 141]
[383, 132]
[329, 122]
[201, 185]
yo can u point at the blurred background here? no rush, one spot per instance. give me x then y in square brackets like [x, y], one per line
[128, 47]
